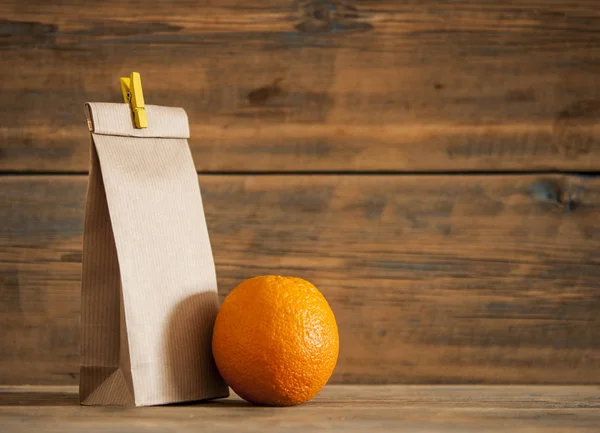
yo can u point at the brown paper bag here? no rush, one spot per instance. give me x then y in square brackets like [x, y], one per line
[149, 293]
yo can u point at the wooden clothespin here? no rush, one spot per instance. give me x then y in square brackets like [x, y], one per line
[133, 95]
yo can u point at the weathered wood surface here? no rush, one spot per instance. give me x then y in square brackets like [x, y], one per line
[433, 279]
[283, 85]
[377, 409]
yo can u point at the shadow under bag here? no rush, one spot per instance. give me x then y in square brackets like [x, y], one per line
[149, 291]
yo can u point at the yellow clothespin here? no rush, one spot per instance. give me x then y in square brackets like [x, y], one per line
[133, 95]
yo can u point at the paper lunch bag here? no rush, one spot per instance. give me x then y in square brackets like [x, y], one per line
[149, 292]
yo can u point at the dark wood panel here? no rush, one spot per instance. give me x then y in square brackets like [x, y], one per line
[433, 279]
[284, 85]
[379, 409]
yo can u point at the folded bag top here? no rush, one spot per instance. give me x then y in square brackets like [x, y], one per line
[116, 119]
[149, 293]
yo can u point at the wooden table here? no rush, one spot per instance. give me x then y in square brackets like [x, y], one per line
[347, 408]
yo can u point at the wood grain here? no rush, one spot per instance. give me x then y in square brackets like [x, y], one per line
[433, 279]
[282, 85]
[398, 409]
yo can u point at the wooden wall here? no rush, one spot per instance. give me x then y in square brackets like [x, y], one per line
[429, 165]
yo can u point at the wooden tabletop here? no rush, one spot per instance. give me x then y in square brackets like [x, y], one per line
[346, 408]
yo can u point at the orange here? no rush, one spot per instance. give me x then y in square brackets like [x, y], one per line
[275, 340]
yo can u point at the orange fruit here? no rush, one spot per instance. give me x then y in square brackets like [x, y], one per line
[275, 340]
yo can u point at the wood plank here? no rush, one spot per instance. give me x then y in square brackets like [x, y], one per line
[433, 279]
[398, 409]
[338, 85]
